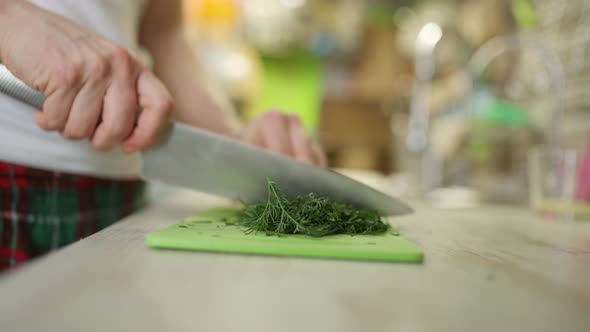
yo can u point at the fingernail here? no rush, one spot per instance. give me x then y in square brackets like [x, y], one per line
[129, 149]
[304, 159]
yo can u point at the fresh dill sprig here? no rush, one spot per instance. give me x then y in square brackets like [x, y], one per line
[308, 215]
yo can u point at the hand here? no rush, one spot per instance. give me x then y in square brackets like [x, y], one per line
[93, 86]
[284, 134]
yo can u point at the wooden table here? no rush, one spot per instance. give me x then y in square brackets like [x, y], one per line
[487, 269]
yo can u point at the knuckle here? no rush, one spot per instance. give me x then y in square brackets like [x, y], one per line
[116, 129]
[99, 68]
[121, 58]
[100, 146]
[53, 124]
[274, 117]
[69, 75]
[43, 124]
[164, 105]
[295, 118]
[151, 138]
[77, 132]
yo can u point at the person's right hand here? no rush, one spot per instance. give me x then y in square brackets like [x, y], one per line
[93, 86]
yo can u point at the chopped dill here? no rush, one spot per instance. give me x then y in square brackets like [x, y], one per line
[308, 215]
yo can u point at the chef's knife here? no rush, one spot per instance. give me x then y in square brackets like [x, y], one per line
[197, 159]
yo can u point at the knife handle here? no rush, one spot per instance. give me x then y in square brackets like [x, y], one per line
[12, 86]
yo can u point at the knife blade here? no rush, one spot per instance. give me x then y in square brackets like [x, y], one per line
[193, 158]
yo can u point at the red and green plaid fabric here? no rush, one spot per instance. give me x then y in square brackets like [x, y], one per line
[44, 210]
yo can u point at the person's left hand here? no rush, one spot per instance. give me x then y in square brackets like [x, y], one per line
[283, 134]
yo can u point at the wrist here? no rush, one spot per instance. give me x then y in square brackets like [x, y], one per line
[6, 10]
[6, 4]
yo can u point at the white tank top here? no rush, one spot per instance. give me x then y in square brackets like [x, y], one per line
[23, 142]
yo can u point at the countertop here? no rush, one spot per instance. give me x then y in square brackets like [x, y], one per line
[485, 269]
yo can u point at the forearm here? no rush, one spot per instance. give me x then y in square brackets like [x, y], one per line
[6, 6]
[175, 64]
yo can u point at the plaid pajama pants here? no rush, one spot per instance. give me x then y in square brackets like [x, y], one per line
[44, 210]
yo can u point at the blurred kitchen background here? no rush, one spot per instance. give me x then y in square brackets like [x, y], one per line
[458, 102]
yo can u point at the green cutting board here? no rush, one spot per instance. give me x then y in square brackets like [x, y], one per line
[214, 230]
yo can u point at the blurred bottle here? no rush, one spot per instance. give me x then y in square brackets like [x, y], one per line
[583, 189]
[225, 56]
